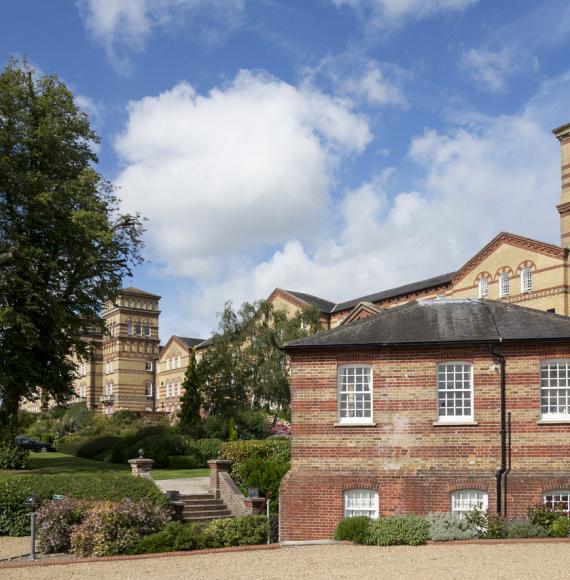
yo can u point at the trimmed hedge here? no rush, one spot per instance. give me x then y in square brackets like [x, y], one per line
[95, 446]
[176, 536]
[398, 530]
[14, 515]
[353, 529]
[241, 451]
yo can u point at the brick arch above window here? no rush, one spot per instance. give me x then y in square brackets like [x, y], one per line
[466, 483]
[555, 484]
[526, 264]
[503, 270]
[481, 275]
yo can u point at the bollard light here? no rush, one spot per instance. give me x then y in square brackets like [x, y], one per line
[33, 501]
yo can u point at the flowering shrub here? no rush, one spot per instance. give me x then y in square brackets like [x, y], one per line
[112, 528]
[281, 426]
[56, 520]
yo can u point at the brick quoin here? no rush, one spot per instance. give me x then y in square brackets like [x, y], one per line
[412, 463]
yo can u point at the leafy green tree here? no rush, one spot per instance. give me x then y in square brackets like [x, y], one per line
[191, 400]
[64, 245]
[244, 366]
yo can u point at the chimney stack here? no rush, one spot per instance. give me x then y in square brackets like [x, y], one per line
[563, 135]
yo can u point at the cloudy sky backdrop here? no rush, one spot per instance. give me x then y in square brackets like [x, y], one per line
[336, 147]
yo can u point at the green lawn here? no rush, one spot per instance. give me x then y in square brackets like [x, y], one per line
[60, 463]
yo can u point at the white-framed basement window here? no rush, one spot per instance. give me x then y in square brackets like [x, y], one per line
[454, 392]
[483, 287]
[559, 499]
[504, 284]
[465, 500]
[555, 390]
[355, 394]
[526, 280]
[360, 502]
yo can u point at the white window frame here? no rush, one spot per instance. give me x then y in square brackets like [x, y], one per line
[557, 497]
[443, 376]
[82, 391]
[147, 329]
[526, 280]
[360, 502]
[483, 287]
[178, 361]
[465, 500]
[148, 390]
[504, 285]
[549, 391]
[109, 389]
[346, 419]
[149, 365]
[130, 327]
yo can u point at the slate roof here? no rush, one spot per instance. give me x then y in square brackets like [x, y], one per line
[444, 322]
[133, 290]
[398, 291]
[190, 342]
[322, 304]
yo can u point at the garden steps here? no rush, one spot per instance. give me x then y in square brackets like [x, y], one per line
[203, 506]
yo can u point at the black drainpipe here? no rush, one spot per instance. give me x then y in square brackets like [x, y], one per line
[506, 475]
[503, 469]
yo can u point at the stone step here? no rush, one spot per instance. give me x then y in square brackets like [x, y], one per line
[204, 505]
[204, 510]
[196, 496]
[204, 518]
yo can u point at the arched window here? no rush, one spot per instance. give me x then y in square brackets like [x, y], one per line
[483, 287]
[526, 280]
[147, 329]
[559, 500]
[465, 500]
[504, 284]
[360, 502]
[138, 327]
[130, 327]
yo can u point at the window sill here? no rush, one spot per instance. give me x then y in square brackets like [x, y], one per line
[553, 422]
[347, 424]
[455, 423]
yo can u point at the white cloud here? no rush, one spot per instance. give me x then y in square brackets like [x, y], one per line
[360, 78]
[242, 168]
[476, 183]
[389, 14]
[123, 26]
[491, 69]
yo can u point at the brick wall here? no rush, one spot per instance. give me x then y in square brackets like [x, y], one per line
[412, 462]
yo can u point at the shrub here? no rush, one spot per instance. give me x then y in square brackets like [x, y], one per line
[560, 527]
[14, 515]
[242, 451]
[266, 475]
[488, 526]
[252, 424]
[240, 531]
[113, 528]
[353, 529]
[94, 446]
[174, 537]
[123, 451]
[13, 457]
[70, 444]
[183, 462]
[213, 427]
[543, 515]
[398, 530]
[232, 433]
[444, 527]
[204, 449]
[160, 447]
[56, 519]
[522, 528]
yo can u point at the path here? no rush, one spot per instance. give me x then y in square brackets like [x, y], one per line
[186, 486]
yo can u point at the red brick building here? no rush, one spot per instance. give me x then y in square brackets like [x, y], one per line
[407, 411]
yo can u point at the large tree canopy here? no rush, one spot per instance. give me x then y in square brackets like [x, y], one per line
[244, 366]
[64, 246]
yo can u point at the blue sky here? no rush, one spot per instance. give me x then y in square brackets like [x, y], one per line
[337, 147]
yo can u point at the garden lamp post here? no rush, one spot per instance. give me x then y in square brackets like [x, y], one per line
[33, 501]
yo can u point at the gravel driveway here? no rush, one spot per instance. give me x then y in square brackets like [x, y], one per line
[500, 561]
